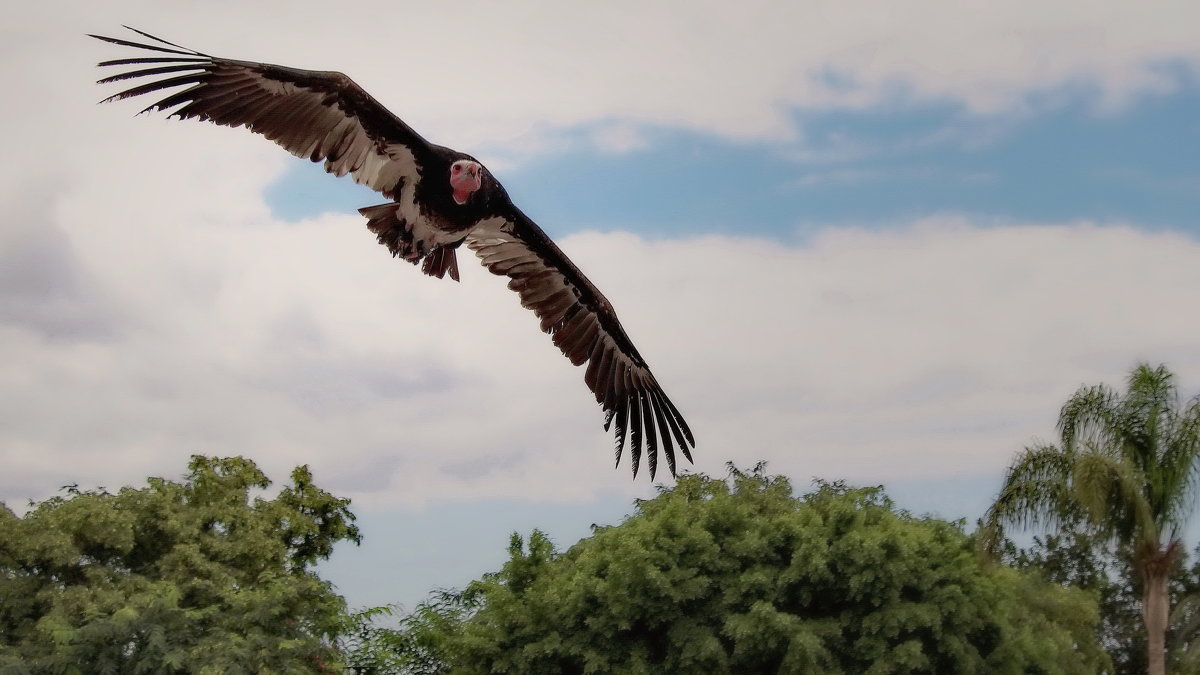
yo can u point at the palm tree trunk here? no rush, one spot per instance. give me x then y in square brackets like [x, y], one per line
[1154, 615]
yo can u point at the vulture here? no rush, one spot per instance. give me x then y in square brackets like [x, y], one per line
[439, 199]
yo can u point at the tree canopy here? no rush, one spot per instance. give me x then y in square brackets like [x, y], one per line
[1126, 470]
[1077, 558]
[191, 576]
[738, 575]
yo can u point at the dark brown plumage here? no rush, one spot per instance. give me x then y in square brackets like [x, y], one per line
[325, 116]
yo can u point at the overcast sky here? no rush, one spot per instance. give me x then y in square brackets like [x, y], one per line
[880, 242]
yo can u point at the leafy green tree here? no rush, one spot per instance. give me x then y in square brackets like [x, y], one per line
[192, 576]
[717, 576]
[417, 644]
[1185, 620]
[368, 648]
[1076, 557]
[1126, 468]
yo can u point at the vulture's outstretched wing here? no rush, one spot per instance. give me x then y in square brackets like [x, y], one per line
[313, 114]
[326, 116]
[585, 327]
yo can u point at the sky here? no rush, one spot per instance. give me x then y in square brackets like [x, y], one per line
[879, 242]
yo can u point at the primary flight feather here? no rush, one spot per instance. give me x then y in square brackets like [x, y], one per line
[440, 199]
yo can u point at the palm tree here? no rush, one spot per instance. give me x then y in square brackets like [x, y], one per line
[1128, 468]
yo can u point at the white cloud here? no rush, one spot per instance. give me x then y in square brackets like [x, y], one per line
[156, 309]
[500, 78]
[850, 177]
[933, 350]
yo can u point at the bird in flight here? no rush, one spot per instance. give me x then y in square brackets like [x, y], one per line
[439, 200]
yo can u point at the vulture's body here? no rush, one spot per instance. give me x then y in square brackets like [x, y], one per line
[439, 199]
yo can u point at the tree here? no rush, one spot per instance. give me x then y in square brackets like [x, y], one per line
[418, 645]
[192, 576]
[1184, 648]
[737, 575]
[1076, 557]
[1126, 468]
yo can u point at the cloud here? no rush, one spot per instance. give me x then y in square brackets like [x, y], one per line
[501, 78]
[933, 350]
[854, 177]
[46, 288]
[154, 308]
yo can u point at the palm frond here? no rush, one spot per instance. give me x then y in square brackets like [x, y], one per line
[1146, 413]
[1128, 463]
[1090, 414]
[1180, 467]
[1036, 492]
[1111, 493]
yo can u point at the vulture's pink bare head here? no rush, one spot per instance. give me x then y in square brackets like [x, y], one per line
[466, 177]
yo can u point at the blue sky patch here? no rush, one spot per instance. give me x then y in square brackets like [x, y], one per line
[876, 168]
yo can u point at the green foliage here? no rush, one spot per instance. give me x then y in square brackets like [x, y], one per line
[1127, 466]
[417, 645]
[1185, 620]
[368, 648]
[1077, 558]
[192, 576]
[1125, 473]
[737, 575]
